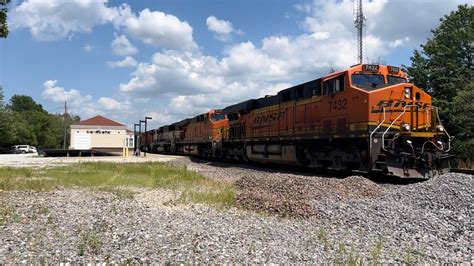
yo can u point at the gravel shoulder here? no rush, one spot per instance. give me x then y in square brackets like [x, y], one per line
[280, 218]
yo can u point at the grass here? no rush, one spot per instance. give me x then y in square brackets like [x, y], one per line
[115, 178]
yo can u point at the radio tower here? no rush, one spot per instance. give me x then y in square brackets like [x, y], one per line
[359, 19]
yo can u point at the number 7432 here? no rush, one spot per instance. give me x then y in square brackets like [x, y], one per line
[337, 105]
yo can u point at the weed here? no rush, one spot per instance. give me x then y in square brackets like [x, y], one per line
[91, 242]
[8, 214]
[376, 252]
[118, 192]
[214, 194]
[322, 234]
[341, 253]
[42, 210]
[413, 255]
[354, 259]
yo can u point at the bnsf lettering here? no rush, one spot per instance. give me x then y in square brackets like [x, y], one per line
[395, 104]
[385, 103]
[269, 118]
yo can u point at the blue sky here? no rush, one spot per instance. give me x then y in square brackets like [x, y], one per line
[172, 59]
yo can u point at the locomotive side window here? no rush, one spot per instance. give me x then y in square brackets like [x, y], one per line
[217, 117]
[286, 96]
[299, 92]
[312, 88]
[334, 85]
[233, 117]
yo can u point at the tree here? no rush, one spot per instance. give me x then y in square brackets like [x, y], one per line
[444, 68]
[21, 103]
[23, 121]
[3, 18]
[2, 97]
[463, 110]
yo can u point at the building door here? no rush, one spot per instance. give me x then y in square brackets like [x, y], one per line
[82, 141]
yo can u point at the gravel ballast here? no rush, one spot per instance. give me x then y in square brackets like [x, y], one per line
[281, 218]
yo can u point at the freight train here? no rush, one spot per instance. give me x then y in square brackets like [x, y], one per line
[367, 118]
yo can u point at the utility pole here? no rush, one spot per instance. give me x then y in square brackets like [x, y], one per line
[359, 19]
[146, 135]
[65, 126]
[135, 142]
[140, 135]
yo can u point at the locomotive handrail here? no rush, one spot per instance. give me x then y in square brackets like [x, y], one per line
[446, 132]
[375, 130]
[393, 122]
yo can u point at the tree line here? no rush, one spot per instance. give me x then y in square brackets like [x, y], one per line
[23, 121]
[444, 68]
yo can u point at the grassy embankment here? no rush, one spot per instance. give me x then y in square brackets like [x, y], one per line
[117, 178]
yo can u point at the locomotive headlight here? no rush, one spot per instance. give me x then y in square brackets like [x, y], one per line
[439, 128]
[407, 92]
[406, 127]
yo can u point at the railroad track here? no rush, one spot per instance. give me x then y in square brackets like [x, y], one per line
[462, 171]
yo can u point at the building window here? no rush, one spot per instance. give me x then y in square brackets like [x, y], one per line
[130, 143]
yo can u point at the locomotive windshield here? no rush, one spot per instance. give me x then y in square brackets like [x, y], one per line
[396, 80]
[368, 81]
[217, 117]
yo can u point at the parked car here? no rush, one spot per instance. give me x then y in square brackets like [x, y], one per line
[23, 149]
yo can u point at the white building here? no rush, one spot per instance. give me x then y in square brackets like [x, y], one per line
[100, 133]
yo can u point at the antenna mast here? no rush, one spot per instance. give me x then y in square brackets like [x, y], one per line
[359, 19]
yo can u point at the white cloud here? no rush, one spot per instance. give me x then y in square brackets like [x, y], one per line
[141, 100]
[88, 48]
[305, 8]
[84, 105]
[190, 105]
[175, 72]
[112, 104]
[122, 46]
[58, 94]
[128, 61]
[222, 28]
[57, 19]
[162, 30]
[399, 42]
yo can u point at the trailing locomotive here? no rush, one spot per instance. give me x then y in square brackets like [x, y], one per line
[367, 118]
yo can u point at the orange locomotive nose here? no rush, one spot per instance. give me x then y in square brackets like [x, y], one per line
[402, 105]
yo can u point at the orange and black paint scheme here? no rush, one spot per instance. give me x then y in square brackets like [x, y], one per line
[367, 118]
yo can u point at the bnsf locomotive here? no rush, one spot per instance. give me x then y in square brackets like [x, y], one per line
[367, 118]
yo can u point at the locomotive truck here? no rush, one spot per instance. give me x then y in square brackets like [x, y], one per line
[367, 118]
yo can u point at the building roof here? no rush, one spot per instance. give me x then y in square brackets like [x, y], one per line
[99, 121]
